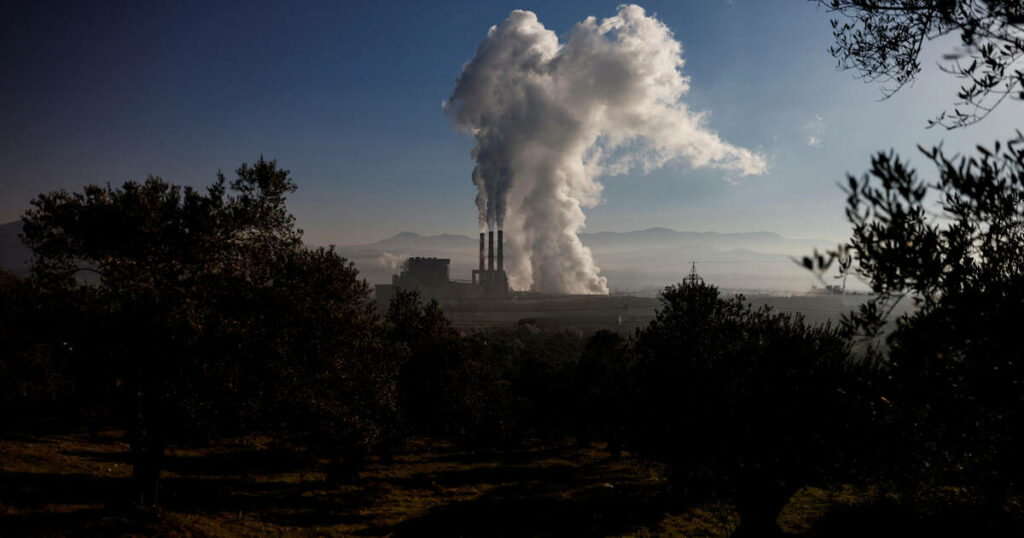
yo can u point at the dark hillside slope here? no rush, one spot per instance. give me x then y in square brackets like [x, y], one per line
[14, 255]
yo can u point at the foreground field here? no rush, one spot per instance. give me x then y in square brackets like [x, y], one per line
[56, 484]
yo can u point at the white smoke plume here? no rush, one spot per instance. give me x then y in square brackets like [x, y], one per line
[549, 118]
[391, 261]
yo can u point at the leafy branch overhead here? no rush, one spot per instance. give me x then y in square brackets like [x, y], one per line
[883, 40]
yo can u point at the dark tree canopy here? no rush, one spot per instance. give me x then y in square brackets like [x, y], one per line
[33, 375]
[883, 39]
[326, 370]
[954, 245]
[742, 403]
[201, 314]
[426, 386]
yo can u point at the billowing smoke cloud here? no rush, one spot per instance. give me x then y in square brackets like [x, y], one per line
[550, 118]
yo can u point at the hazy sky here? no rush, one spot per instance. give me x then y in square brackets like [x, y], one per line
[347, 95]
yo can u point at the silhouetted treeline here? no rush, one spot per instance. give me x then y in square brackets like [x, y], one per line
[185, 317]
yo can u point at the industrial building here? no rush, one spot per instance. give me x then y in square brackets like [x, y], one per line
[430, 277]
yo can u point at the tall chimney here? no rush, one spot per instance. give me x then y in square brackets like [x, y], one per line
[501, 255]
[481, 253]
[490, 250]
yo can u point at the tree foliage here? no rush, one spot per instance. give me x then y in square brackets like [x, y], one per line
[202, 314]
[433, 350]
[327, 372]
[883, 40]
[955, 245]
[743, 403]
[34, 374]
[603, 384]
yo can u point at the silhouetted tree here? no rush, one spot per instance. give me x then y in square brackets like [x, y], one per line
[545, 362]
[205, 314]
[159, 251]
[494, 387]
[743, 404]
[33, 329]
[602, 383]
[327, 369]
[426, 382]
[453, 385]
[882, 39]
[955, 245]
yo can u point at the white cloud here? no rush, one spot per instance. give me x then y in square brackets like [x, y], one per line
[815, 129]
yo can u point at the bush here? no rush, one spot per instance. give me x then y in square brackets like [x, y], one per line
[743, 404]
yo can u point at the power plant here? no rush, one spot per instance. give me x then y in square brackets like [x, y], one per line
[430, 277]
[486, 299]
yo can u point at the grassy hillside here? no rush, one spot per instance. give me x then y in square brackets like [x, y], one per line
[57, 484]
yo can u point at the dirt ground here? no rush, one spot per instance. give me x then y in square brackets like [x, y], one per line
[63, 484]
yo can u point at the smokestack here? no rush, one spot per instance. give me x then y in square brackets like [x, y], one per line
[481, 253]
[490, 250]
[501, 256]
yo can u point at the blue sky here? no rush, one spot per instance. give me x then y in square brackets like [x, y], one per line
[347, 95]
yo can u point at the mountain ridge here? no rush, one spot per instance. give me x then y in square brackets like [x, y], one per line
[404, 238]
[638, 258]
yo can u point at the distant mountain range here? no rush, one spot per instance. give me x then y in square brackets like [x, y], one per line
[412, 240]
[632, 261]
[649, 238]
[636, 260]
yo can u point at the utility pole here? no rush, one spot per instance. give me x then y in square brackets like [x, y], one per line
[693, 279]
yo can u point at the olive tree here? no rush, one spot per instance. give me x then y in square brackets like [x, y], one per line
[204, 314]
[954, 244]
[882, 40]
[744, 404]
